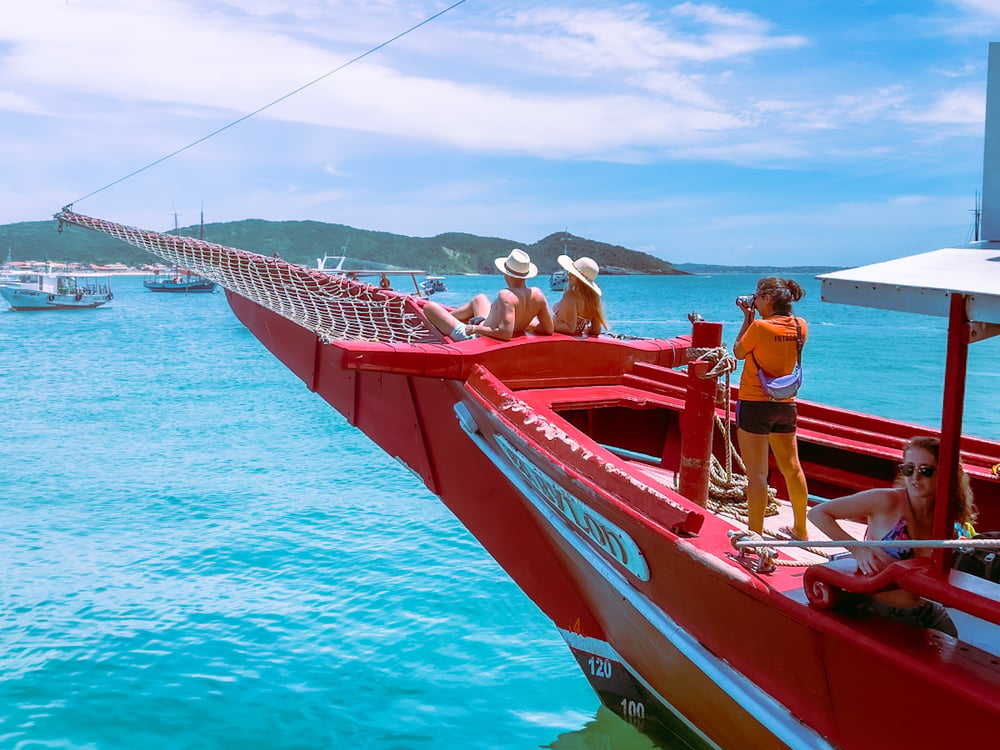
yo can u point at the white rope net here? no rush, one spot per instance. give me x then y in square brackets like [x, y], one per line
[334, 307]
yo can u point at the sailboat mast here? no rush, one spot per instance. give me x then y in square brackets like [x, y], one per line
[990, 214]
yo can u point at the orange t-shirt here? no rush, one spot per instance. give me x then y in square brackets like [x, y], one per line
[771, 342]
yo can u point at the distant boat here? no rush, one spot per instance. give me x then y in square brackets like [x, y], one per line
[322, 263]
[432, 284]
[178, 281]
[33, 290]
[558, 280]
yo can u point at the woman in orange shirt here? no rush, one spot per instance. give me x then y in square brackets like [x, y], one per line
[771, 343]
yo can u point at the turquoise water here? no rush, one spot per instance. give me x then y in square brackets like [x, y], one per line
[199, 553]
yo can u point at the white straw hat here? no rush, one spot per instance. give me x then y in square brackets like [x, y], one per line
[517, 264]
[585, 269]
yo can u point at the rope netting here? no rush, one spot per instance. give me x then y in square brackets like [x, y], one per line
[334, 307]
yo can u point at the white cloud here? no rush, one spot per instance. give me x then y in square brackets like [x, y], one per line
[965, 107]
[497, 116]
[176, 57]
[19, 103]
[986, 7]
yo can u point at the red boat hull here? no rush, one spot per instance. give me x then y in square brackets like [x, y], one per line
[743, 660]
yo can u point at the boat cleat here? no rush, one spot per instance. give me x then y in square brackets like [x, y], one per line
[755, 559]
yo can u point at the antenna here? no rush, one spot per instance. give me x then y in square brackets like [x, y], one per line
[972, 235]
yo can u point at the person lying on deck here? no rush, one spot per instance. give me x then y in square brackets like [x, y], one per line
[903, 511]
[510, 313]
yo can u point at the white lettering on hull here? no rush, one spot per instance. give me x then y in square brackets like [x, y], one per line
[613, 540]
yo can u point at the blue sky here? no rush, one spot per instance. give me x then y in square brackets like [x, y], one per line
[779, 131]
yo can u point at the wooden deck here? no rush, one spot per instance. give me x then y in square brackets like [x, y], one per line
[772, 523]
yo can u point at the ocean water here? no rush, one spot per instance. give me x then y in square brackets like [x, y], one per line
[199, 553]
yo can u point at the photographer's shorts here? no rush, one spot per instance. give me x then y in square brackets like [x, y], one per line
[765, 417]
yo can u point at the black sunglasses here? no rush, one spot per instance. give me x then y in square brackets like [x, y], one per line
[925, 471]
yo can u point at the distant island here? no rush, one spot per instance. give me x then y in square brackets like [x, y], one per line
[700, 268]
[304, 242]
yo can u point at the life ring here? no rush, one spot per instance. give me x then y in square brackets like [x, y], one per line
[52, 298]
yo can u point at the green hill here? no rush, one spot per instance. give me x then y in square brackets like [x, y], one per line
[700, 268]
[303, 242]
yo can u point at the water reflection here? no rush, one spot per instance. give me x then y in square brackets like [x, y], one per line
[608, 731]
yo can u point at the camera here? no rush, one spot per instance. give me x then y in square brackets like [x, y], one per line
[746, 301]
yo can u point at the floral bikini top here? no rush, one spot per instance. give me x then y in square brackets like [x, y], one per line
[899, 531]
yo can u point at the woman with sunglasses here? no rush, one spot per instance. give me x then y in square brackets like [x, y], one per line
[903, 511]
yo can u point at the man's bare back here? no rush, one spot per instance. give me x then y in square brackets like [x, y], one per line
[511, 312]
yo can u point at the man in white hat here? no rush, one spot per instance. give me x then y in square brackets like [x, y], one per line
[510, 313]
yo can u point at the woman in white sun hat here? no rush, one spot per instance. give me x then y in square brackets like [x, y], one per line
[580, 312]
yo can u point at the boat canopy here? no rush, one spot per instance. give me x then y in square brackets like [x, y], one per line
[961, 284]
[924, 283]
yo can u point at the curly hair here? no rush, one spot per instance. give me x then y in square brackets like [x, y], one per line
[963, 504]
[781, 292]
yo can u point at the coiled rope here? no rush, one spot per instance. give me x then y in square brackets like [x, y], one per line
[727, 489]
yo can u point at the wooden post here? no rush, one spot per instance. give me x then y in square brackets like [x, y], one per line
[698, 420]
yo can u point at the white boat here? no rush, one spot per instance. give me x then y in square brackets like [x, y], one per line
[34, 290]
[558, 280]
[432, 284]
[326, 264]
[333, 265]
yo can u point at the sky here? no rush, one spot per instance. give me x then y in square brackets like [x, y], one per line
[782, 132]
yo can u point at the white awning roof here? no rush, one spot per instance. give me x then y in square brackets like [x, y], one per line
[924, 283]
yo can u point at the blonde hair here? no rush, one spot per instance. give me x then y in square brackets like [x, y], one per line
[593, 305]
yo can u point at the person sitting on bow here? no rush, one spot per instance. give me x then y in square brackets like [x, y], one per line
[514, 308]
[580, 311]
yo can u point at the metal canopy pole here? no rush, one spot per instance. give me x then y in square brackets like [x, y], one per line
[953, 405]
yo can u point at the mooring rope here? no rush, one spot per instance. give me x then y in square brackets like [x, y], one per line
[750, 541]
[740, 543]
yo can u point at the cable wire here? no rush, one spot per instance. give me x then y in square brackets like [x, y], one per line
[271, 104]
